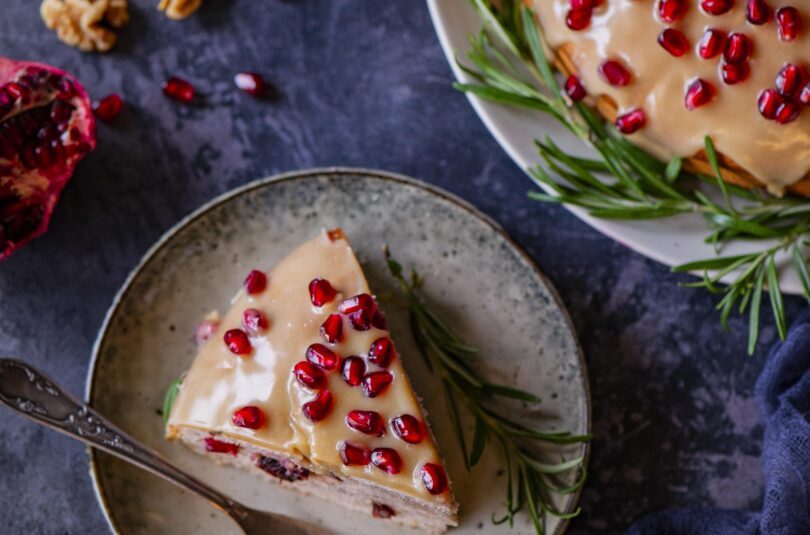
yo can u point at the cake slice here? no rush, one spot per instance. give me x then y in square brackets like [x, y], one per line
[301, 383]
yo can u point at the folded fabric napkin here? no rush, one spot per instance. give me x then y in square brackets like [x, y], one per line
[783, 393]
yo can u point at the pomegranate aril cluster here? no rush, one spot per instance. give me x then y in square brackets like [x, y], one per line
[580, 12]
[783, 103]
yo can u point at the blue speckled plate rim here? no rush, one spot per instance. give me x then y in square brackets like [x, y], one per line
[95, 473]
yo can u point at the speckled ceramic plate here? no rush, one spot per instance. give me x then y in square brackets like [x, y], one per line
[485, 285]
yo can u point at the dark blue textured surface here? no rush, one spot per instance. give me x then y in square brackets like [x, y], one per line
[362, 83]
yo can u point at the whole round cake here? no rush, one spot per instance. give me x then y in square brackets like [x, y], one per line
[671, 72]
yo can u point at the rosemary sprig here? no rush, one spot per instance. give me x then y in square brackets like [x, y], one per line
[531, 480]
[625, 182]
[169, 397]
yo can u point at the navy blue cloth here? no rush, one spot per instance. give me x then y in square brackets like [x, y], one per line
[783, 393]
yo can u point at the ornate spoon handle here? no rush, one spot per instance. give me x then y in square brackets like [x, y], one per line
[28, 391]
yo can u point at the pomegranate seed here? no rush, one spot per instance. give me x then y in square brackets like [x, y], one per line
[581, 4]
[254, 321]
[285, 469]
[672, 10]
[804, 94]
[309, 375]
[322, 356]
[615, 73]
[631, 121]
[251, 83]
[178, 89]
[379, 510]
[237, 341]
[434, 478]
[578, 18]
[255, 282]
[381, 352]
[787, 112]
[711, 44]
[375, 383]
[217, 446]
[318, 409]
[321, 292]
[108, 108]
[674, 42]
[353, 370]
[738, 48]
[768, 102]
[358, 302]
[698, 93]
[574, 89]
[332, 328]
[354, 454]
[789, 79]
[757, 12]
[360, 320]
[734, 73]
[334, 234]
[368, 422]
[788, 21]
[378, 320]
[205, 330]
[716, 7]
[250, 417]
[408, 428]
[386, 459]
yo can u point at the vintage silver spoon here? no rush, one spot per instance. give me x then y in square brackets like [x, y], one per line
[29, 392]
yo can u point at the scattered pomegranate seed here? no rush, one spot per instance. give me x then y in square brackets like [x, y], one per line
[674, 42]
[631, 121]
[408, 428]
[375, 383]
[368, 422]
[738, 48]
[332, 328]
[334, 234]
[250, 417]
[787, 112]
[386, 459]
[788, 21]
[179, 89]
[322, 356]
[712, 43]
[205, 330]
[757, 12]
[318, 409]
[768, 102]
[790, 79]
[381, 352]
[255, 282]
[358, 302]
[353, 370]
[321, 292]
[716, 7]
[672, 10]
[237, 341]
[698, 93]
[309, 374]
[379, 510]
[614, 73]
[217, 446]
[804, 94]
[108, 108]
[434, 478]
[251, 83]
[578, 18]
[734, 73]
[360, 320]
[574, 89]
[378, 320]
[254, 321]
[354, 454]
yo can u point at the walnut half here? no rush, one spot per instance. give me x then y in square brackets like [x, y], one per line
[85, 24]
[179, 9]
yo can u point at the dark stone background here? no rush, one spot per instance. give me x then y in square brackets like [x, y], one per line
[362, 83]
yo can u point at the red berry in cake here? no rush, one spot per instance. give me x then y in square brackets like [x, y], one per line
[322, 356]
[408, 428]
[254, 321]
[360, 320]
[380, 510]
[368, 422]
[320, 406]
[614, 73]
[734, 73]
[353, 370]
[283, 469]
[251, 417]
[632, 121]
[674, 42]
[179, 89]
[574, 89]
[698, 93]
[716, 7]
[386, 459]
[757, 12]
[790, 79]
[255, 282]
[434, 478]
[354, 454]
[738, 48]
[321, 292]
[768, 103]
[672, 10]
[205, 330]
[358, 302]
[381, 352]
[788, 21]
[375, 383]
[213, 445]
[332, 328]
[309, 375]
[238, 342]
[578, 18]
[712, 43]
[251, 83]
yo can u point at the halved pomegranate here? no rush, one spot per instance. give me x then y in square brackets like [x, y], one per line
[46, 127]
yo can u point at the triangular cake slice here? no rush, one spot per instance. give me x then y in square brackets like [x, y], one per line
[301, 382]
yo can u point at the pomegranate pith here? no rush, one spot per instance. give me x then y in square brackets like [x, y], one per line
[368, 422]
[353, 370]
[213, 445]
[255, 282]
[434, 478]
[381, 352]
[237, 342]
[332, 328]
[354, 454]
[250, 417]
[322, 356]
[251, 83]
[408, 428]
[788, 21]
[386, 459]
[309, 375]
[179, 90]
[321, 292]
[254, 321]
[375, 383]
[320, 406]
[109, 108]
